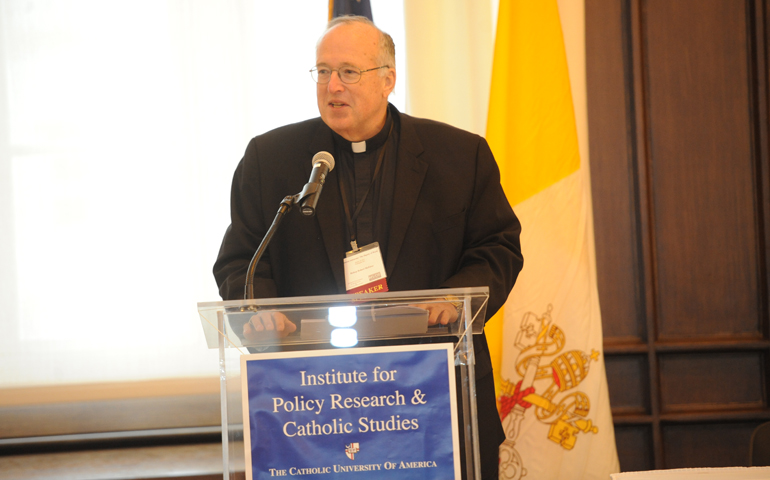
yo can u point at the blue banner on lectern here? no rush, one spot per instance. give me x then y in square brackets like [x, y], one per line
[361, 413]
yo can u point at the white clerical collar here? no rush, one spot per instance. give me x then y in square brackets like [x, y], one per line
[358, 147]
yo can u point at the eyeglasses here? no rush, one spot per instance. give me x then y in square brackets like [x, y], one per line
[347, 75]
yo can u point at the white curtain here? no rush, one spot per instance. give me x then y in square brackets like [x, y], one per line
[450, 60]
[121, 123]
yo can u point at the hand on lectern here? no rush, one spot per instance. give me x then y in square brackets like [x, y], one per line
[439, 313]
[268, 324]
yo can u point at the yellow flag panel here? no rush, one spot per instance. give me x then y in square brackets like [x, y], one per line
[531, 122]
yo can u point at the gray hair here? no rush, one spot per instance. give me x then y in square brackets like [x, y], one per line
[387, 49]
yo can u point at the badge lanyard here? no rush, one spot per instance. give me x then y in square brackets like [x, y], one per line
[351, 219]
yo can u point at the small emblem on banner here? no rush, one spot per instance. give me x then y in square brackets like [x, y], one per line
[351, 449]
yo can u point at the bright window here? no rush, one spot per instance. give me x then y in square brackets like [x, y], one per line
[121, 124]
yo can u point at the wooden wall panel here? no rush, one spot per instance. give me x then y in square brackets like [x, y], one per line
[678, 132]
[612, 176]
[703, 445]
[701, 167]
[634, 444]
[711, 381]
[629, 384]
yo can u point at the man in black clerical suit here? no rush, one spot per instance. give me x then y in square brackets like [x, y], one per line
[429, 194]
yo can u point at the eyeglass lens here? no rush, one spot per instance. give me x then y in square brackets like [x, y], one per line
[347, 74]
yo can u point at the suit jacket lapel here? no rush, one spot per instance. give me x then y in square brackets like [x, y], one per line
[410, 174]
[329, 207]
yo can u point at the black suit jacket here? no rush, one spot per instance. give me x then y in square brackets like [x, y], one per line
[451, 225]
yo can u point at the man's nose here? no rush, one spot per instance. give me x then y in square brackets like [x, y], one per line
[335, 83]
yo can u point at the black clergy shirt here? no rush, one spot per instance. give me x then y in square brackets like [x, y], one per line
[356, 171]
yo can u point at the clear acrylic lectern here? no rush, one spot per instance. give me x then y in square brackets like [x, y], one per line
[392, 318]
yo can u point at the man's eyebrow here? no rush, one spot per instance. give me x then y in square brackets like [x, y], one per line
[341, 65]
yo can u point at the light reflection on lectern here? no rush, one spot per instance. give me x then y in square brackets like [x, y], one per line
[344, 337]
[342, 318]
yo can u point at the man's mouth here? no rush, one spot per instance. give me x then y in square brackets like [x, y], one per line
[336, 105]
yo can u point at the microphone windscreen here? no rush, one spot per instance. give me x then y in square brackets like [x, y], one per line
[324, 157]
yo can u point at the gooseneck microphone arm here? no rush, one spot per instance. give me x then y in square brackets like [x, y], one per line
[323, 163]
[284, 208]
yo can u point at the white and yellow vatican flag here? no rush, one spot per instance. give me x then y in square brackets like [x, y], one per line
[552, 384]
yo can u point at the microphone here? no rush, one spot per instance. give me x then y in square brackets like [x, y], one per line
[323, 163]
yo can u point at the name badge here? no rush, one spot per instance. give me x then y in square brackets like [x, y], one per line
[365, 270]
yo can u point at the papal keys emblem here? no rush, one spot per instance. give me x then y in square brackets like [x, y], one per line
[548, 390]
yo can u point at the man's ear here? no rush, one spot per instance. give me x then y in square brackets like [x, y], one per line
[389, 81]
